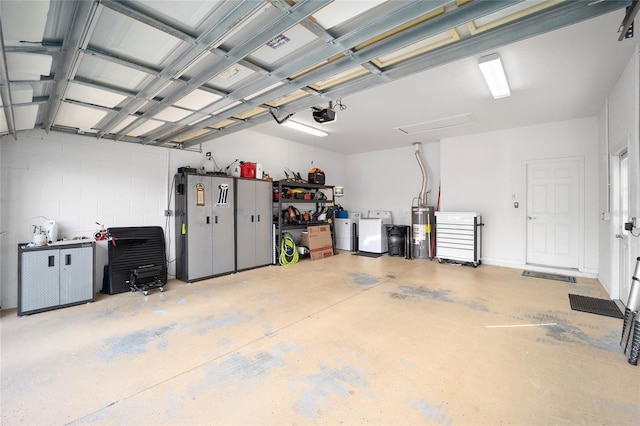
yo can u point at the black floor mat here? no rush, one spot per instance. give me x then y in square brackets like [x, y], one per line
[593, 305]
[367, 254]
[548, 276]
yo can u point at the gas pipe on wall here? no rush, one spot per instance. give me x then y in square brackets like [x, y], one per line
[422, 217]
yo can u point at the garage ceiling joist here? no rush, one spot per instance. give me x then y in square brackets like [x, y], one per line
[176, 74]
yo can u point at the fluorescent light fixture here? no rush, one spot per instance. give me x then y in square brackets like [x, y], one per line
[493, 73]
[304, 128]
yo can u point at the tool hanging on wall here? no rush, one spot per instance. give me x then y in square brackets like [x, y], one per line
[100, 234]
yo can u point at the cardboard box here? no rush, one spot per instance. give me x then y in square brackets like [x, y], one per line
[320, 242]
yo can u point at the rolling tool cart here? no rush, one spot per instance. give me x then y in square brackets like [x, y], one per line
[458, 237]
[145, 278]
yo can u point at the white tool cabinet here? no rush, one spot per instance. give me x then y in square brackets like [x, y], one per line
[458, 237]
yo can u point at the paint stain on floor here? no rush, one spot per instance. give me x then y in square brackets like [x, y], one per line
[434, 413]
[363, 279]
[225, 320]
[329, 382]
[239, 374]
[136, 343]
[564, 331]
[423, 293]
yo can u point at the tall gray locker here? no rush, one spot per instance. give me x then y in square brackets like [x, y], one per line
[205, 222]
[254, 223]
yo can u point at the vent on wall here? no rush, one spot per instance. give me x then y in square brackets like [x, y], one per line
[438, 124]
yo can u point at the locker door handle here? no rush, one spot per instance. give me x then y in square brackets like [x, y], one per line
[52, 261]
[252, 218]
[216, 219]
[67, 259]
[258, 218]
[532, 218]
[208, 220]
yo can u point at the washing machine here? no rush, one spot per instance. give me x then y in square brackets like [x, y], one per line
[372, 233]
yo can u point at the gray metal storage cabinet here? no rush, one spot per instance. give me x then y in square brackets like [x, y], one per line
[205, 225]
[458, 237]
[52, 277]
[254, 223]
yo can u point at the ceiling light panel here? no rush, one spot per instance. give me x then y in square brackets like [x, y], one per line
[341, 11]
[92, 95]
[198, 99]
[78, 116]
[300, 40]
[130, 39]
[304, 128]
[23, 21]
[111, 74]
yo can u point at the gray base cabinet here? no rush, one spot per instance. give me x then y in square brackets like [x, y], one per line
[51, 277]
[254, 243]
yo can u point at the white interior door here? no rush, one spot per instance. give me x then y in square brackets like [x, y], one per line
[554, 213]
[622, 235]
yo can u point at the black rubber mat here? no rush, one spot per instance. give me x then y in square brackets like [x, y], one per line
[548, 276]
[593, 305]
[367, 254]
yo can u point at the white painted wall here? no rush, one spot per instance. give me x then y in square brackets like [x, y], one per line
[390, 180]
[78, 181]
[276, 154]
[484, 172]
[624, 133]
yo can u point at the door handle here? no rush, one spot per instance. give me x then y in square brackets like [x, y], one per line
[251, 218]
[216, 219]
[619, 236]
[531, 218]
[208, 220]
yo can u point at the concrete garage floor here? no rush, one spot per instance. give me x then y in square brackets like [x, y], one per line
[346, 339]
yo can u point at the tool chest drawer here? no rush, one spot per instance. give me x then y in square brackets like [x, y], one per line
[458, 237]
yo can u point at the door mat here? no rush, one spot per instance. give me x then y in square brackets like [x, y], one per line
[547, 276]
[367, 254]
[593, 305]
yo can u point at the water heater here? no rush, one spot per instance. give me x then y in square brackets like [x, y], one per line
[422, 218]
[422, 231]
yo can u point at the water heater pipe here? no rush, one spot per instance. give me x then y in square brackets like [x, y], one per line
[422, 197]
